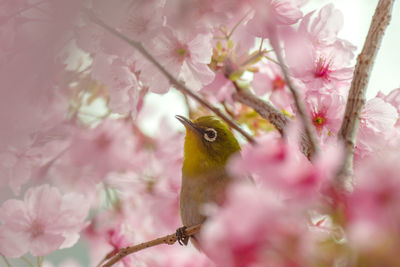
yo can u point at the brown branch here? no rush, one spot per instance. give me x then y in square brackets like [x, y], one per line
[270, 113]
[356, 98]
[301, 109]
[264, 108]
[179, 86]
[168, 239]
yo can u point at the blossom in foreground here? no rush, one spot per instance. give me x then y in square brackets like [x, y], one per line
[41, 223]
[256, 228]
[276, 164]
[373, 212]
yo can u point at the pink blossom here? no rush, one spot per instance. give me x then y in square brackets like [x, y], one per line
[174, 256]
[256, 228]
[372, 210]
[20, 165]
[120, 77]
[275, 163]
[316, 55]
[326, 111]
[376, 124]
[269, 79]
[198, 15]
[318, 69]
[221, 88]
[108, 147]
[16, 169]
[116, 238]
[154, 182]
[43, 222]
[324, 29]
[393, 98]
[142, 20]
[271, 13]
[185, 55]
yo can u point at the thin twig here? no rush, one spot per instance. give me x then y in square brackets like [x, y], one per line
[237, 25]
[356, 98]
[270, 113]
[6, 261]
[27, 261]
[179, 86]
[168, 239]
[301, 110]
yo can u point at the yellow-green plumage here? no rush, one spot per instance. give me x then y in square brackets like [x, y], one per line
[209, 144]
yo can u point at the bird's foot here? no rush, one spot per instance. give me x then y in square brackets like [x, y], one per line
[181, 236]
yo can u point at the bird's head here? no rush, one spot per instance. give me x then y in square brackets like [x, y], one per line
[208, 144]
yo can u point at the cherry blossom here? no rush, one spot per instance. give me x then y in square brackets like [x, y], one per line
[74, 137]
[320, 58]
[120, 77]
[372, 210]
[185, 54]
[326, 111]
[377, 122]
[392, 98]
[279, 166]
[269, 79]
[108, 147]
[43, 222]
[255, 228]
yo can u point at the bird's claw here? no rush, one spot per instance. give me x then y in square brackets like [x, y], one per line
[181, 236]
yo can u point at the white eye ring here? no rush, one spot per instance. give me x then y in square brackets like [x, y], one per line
[212, 132]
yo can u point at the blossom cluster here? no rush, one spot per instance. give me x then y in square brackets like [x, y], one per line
[77, 164]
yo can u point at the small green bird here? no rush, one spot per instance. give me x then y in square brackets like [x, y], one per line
[209, 143]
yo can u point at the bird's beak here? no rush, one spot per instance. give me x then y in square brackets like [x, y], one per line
[187, 123]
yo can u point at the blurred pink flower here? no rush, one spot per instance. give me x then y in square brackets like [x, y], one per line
[116, 238]
[185, 55]
[274, 163]
[256, 228]
[376, 127]
[220, 89]
[41, 223]
[271, 13]
[20, 165]
[373, 210]
[393, 98]
[153, 183]
[108, 147]
[122, 81]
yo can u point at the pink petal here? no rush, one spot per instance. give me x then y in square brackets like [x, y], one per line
[45, 244]
[13, 244]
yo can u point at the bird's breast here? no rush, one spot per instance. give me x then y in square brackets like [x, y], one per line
[199, 190]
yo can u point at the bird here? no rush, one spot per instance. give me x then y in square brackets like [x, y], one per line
[209, 144]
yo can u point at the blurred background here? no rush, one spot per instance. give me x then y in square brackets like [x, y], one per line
[357, 16]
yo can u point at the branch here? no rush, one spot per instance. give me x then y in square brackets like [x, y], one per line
[356, 98]
[301, 110]
[270, 113]
[264, 108]
[179, 86]
[168, 239]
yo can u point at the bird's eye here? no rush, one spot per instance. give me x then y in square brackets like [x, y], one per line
[210, 134]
